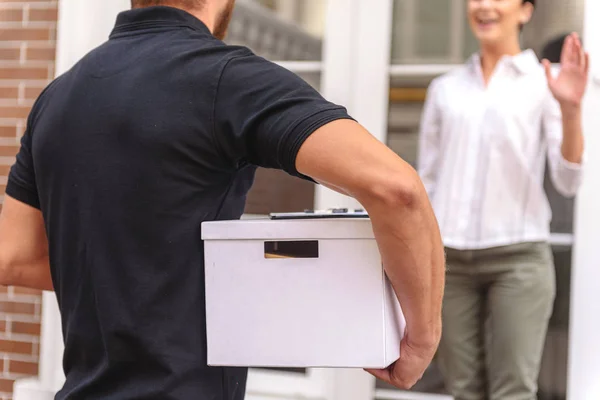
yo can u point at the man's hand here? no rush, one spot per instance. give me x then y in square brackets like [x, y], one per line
[409, 369]
[569, 86]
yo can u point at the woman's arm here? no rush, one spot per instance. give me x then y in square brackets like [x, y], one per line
[562, 118]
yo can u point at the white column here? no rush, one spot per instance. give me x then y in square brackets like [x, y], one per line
[82, 25]
[356, 58]
[584, 345]
[337, 78]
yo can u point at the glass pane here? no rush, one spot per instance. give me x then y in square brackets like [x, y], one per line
[437, 32]
[551, 20]
[470, 44]
[431, 32]
[280, 30]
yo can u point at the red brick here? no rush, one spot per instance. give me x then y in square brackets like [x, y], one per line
[2, 327]
[41, 54]
[14, 111]
[26, 291]
[22, 367]
[10, 92]
[11, 14]
[10, 54]
[32, 93]
[9, 151]
[18, 34]
[12, 346]
[43, 14]
[6, 385]
[13, 307]
[8, 131]
[4, 170]
[25, 328]
[23, 72]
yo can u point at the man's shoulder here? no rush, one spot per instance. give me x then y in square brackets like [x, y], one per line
[243, 57]
[44, 97]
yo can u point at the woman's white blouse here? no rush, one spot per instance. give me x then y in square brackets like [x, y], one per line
[483, 152]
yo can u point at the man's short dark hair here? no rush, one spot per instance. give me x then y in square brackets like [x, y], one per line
[190, 4]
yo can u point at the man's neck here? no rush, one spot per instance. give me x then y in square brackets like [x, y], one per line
[207, 15]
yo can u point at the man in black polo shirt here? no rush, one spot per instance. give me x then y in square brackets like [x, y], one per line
[149, 135]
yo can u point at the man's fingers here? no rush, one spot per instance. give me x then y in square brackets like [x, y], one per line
[382, 374]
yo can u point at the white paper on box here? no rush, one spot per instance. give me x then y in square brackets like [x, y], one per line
[336, 310]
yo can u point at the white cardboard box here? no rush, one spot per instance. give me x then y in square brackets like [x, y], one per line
[268, 307]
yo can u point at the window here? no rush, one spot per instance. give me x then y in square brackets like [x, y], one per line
[430, 32]
[280, 30]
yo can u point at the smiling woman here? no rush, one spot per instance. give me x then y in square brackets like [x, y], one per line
[482, 161]
[449, 29]
[492, 22]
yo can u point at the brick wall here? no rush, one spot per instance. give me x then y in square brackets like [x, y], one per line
[27, 48]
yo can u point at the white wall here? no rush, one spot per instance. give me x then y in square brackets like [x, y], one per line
[83, 26]
[584, 357]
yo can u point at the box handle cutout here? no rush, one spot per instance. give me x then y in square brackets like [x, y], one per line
[292, 249]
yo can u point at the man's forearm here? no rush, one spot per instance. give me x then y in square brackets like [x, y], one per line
[413, 257]
[36, 275]
[573, 143]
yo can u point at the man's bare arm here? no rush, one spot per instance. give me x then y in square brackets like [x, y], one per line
[23, 247]
[345, 156]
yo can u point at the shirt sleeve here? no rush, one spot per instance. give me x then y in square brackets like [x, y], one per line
[566, 176]
[429, 139]
[21, 183]
[263, 113]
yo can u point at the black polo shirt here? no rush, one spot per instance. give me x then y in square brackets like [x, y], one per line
[149, 135]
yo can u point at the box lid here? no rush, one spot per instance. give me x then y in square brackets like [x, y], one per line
[266, 229]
